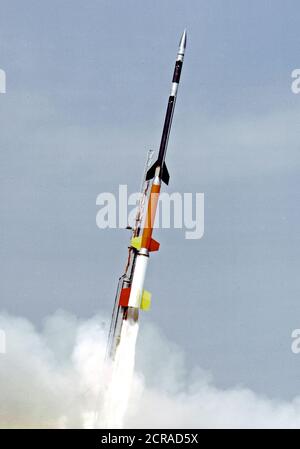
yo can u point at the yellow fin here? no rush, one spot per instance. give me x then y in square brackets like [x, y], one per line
[146, 300]
[136, 242]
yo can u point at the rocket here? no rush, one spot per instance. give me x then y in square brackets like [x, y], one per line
[131, 295]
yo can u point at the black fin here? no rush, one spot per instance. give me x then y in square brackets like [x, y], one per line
[151, 172]
[165, 174]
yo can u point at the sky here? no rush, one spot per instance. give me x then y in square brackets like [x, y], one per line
[87, 86]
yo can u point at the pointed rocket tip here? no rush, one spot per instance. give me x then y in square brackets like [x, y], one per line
[182, 43]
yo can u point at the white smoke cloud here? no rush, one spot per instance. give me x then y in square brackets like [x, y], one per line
[54, 377]
[50, 378]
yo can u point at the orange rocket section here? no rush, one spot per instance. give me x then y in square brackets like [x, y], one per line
[147, 241]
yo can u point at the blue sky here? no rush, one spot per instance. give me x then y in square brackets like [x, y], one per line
[87, 85]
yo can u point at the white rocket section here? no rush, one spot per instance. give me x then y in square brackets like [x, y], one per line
[138, 280]
[174, 89]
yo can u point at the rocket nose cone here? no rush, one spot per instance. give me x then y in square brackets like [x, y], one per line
[182, 43]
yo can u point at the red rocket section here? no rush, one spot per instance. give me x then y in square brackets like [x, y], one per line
[124, 297]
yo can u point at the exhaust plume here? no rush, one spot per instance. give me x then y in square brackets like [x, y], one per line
[55, 377]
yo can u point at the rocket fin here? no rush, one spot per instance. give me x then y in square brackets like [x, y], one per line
[165, 173]
[151, 172]
[136, 242]
[154, 245]
[146, 300]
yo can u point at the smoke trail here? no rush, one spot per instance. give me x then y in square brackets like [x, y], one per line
[55, 378]
[116, 399]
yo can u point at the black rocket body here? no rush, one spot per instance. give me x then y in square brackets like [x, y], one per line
[159, 167]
